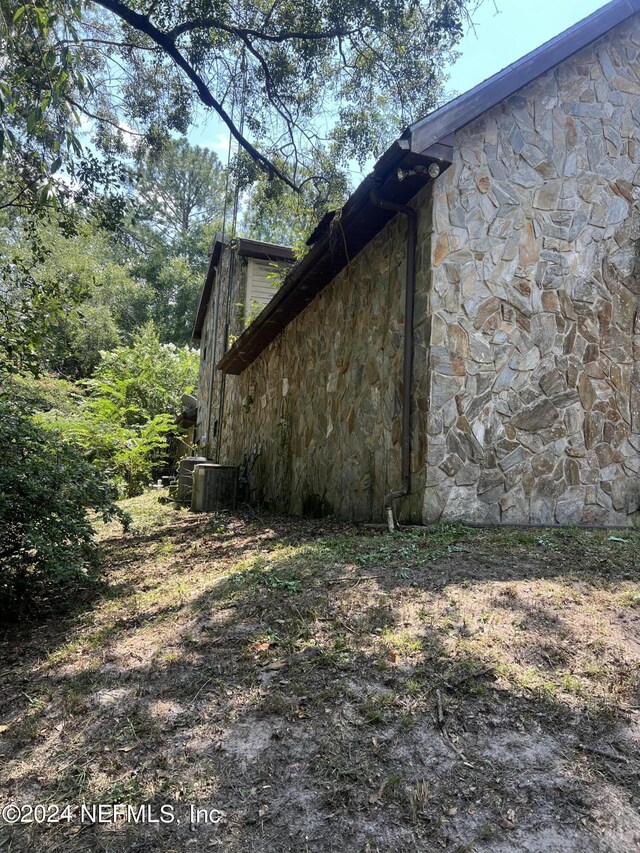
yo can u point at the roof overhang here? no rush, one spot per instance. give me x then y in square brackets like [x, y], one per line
[472, 104]
[263, 251]
[339, 237]
[336, 242]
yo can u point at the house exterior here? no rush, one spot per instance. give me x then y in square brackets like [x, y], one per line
[241, 280]
[462, 339]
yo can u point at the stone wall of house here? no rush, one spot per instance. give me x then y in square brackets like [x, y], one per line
[231, 273]
[534, 382]
[320, 409]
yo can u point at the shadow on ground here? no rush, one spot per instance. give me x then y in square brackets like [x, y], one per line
[328, 688]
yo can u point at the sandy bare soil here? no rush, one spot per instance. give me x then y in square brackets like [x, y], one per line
[320, 687]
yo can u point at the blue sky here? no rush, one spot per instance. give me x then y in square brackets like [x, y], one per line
[503, 31]
[503, 36]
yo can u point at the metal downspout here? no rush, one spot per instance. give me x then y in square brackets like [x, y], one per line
[407, 368]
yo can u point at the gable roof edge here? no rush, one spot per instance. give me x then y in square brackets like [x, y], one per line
[472, 104]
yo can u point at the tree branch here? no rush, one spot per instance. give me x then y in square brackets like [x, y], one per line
[166, 42]
[286, 115]
[106, 43]
[103, 119]
[246, 32]
[13, 201]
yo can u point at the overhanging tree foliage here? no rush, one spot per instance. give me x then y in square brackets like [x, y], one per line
[302, 86]
[368, 62]
[44, 77]
[298, 83]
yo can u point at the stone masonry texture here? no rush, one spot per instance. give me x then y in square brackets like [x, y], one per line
[321, 406]
[534, 383]
[526, 393]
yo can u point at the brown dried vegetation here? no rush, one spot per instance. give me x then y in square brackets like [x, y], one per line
[331, 688]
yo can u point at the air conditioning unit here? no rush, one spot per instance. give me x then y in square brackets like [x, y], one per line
[185, 477]
[215, 487]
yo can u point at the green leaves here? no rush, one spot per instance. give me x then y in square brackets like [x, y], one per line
[39, 14]
[133, 397]
[46, 78]
[46, 488]
[319, 84]
[145, 379]
[123, 423]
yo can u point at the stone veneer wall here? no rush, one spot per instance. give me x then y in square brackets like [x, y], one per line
[535, 397]
[323, 401]
[213, 336]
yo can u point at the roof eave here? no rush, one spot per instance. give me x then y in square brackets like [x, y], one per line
[330, 253]
[472, 104]
[247, 248]
[262, 251]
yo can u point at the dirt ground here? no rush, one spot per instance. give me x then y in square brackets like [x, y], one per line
[319, 687]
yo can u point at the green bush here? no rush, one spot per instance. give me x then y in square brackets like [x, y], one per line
[127, 409]
[134, 395]
[47, 488]
[127, 455]
[134, 384]
[43, 393]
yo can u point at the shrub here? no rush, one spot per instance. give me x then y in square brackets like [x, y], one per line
[133, 384]
[127, 411]
[46, 490]
[134, 395]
